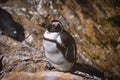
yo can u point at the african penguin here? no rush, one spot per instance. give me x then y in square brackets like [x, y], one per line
[60, 46]
[9, 27]
[60, 51]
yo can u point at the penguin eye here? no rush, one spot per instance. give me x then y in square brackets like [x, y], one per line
[15, 32]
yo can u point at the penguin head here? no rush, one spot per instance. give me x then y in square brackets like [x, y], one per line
[9, 31]
[15, 31]
[55, 26]
[20, 32]
[9, 27]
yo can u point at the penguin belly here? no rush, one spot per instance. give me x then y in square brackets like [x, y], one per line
[55, 56]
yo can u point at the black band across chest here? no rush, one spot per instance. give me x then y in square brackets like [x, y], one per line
[47, 39]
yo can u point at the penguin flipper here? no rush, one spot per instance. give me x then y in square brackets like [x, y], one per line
[70, 54]
[70, 50]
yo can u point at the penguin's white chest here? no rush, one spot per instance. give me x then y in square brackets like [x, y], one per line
[51, 47]
[53, 54]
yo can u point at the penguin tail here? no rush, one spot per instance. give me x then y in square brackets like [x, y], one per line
[87, 71]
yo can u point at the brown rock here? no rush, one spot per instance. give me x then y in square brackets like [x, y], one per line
[94, 23]
[40, 76]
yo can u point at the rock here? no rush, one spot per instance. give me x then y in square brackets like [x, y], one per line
[40, 76]
[94, 24]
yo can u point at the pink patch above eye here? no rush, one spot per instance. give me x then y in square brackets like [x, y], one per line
[55, 23]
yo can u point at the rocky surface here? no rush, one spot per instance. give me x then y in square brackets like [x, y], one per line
[40, 76]
[94, 24]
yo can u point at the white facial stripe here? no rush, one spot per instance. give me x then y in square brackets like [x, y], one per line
[55, 23]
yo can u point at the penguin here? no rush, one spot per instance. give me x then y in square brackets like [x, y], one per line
[60, 46]
[9, 27]
[61, 51]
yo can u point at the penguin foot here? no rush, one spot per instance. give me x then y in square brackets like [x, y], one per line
[49, 66]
